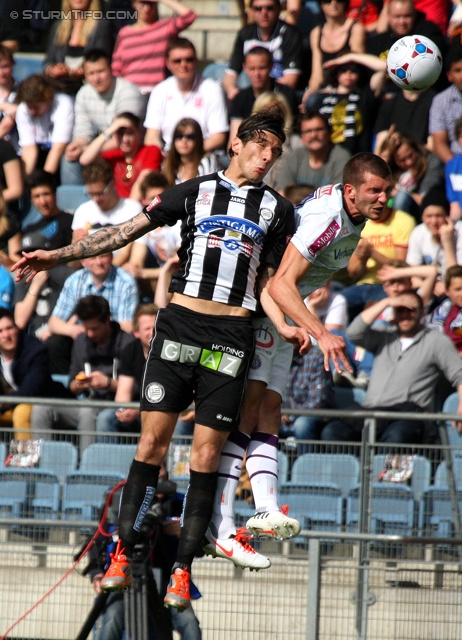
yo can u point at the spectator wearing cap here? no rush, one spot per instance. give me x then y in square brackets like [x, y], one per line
[437, 240]
[35, 301]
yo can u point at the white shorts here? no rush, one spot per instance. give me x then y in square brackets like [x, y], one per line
[272, 357]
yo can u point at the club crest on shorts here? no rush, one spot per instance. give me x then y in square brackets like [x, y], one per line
[256, 362]
[154, 392]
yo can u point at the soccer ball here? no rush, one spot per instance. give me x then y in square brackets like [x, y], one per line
[414, 63]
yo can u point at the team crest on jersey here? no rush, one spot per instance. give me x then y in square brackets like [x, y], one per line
[256, 363]
[154, 392]
[153, 204]
[266, 214]
[344, 232]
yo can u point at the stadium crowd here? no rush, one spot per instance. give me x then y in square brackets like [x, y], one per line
[123, 111]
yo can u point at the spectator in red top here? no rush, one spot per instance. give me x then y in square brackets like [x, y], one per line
[140, 50]
[131, 161]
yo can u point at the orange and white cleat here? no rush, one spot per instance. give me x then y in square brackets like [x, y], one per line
[178, 595]
[237, 549]
[119, 575]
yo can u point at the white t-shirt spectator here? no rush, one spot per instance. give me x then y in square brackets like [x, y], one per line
[55, 125]
[423, 249]
[205, 103]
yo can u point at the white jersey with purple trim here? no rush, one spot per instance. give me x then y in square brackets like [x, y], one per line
[326, 236]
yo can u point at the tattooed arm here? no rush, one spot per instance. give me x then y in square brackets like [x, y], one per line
[105, 240]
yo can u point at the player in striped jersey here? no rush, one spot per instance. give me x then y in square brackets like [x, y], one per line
[234, 230]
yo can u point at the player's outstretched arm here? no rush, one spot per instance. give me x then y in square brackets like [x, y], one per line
[102, 241]
[284, 291]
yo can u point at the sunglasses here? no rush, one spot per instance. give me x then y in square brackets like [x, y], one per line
[189, 60]
[188, 136]
[261, 8]
[331, 1]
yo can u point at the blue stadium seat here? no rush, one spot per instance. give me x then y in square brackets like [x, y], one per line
[107, 458]
[436, 516]
[26, 65]
[339, 469]
[441, 474]
[43, 498]
[392, 509]
[84, 494]
[63, 378]
[70, 196]
[59, 458]
[316, 506]
[283, 468]
[454, 437]
[2, 453]
[14, 487]
[243, 510]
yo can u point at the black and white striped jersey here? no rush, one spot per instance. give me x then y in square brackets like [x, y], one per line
[227, 233]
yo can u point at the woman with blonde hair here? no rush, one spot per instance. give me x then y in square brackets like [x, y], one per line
[82, 28]
[187, 158]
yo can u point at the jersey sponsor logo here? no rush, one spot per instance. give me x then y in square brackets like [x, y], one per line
[324, 239]
[204, 200]
[153, 204]
[339, 254]
[237, 199]
[245, 227]
[263, 337]
[216, 359]
[154, 392]
[230, 244]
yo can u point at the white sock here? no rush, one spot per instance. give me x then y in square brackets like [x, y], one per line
[229, 472]
[262, 466]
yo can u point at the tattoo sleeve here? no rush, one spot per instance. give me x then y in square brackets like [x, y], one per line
[105, 240]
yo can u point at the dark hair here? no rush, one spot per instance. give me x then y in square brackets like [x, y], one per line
[154, 179]
[412, 292]
[98, 171]
[458, 127]
[260, 51]
[452, 272]
[95, 55]
[180, 43]
[276, 2]
[435, 198]
[362, 163]
[311, 114]
[36, 88]
[7, 313]
[269, 120]
[173, 160]
[93, 308]
[40, 178]
[134, 119]
[453, 56]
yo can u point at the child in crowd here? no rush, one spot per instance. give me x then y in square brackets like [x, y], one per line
[453, 176]
[447, 317]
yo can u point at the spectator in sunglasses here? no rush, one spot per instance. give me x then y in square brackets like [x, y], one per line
[283, 40]
[187, 158]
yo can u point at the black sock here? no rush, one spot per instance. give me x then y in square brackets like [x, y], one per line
[137, 495]
[197, 512]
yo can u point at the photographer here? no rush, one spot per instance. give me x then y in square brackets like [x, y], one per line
[157, 551]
